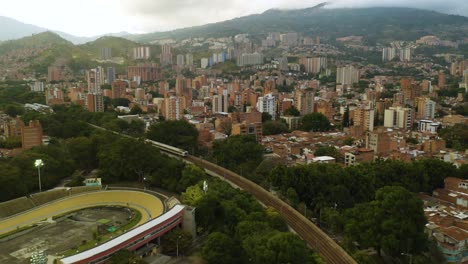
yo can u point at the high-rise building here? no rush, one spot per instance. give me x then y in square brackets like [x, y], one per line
[458, 67]
[146, 72]
[166, 54]
[347, 75]
[267, 104]
[441, 82]
[37, 86]
[173, 108]
[410, 89]
[54, 96]
[388, 54]
[180, 60]
[220, 101]
[118, 89]
[289, 39]
[398, 117]
[425, 108]
[110, 75]
[139, 94]
[304, 101]
[314, 65]
[189, 59]
[54, 73]
[247, 59]
[204, 63]
[94, 102]
[405, 54]
[106, 53]
[31, 135]
[141, 53]
[95, 78]
[364, 117]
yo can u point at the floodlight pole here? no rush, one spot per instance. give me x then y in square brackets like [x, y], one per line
[38, 163]
[39, 172]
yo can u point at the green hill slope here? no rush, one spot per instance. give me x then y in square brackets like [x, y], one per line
[376, 24]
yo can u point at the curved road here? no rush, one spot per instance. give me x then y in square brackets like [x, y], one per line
[148, 205]
[314, 236]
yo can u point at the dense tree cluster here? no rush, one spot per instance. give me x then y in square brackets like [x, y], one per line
[239, 153]
[240, 230]
[274, 128]
[372, 204]
[179, 134]
[315, 122]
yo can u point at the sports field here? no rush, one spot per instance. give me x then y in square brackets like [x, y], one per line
[148, 205]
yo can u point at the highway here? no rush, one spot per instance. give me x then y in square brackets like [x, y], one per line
[308, 231]
[148, 205]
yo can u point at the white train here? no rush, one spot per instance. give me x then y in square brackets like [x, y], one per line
[167, 148]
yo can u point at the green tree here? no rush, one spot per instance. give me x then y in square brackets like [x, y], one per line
[238, 152]
[315, 122]
[266, 117]
[136, 110]
[120, 102]
[393, 222]
[83, 151]
[191, 175]
[176, 237]
[274, 128]
[14, 110]
[179, 134]
[292, 111]
[345, 121]
[324, 150]
[349, 141]
[192, 195]
[288, 248]
[219, 248]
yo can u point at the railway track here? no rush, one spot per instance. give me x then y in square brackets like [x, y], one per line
[309, 232]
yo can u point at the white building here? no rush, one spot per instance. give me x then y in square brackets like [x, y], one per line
[204, 63]
[180, 60]
[37, 86]
[405, 54]
[267, 104]
[398, 117]
[141, 53]
[189, 59]
[388, 54]
[347, 75]
[428, 126]
[220, 101]
[314, 65]
[247, 59]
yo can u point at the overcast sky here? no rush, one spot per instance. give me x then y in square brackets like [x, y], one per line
[93, 17]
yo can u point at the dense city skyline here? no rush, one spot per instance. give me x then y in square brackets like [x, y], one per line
[143, 16]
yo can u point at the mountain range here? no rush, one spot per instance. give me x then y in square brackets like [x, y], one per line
[38, 49]
[11, 29]
[376, 24]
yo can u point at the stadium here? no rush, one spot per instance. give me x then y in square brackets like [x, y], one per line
[86, 224]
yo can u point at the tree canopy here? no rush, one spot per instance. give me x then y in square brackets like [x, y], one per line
[178, 133]
[315, 122]
[274, 128]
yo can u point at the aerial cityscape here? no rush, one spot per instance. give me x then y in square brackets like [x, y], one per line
[241, 132]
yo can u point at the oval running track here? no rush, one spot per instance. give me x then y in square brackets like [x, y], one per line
[148, 205]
